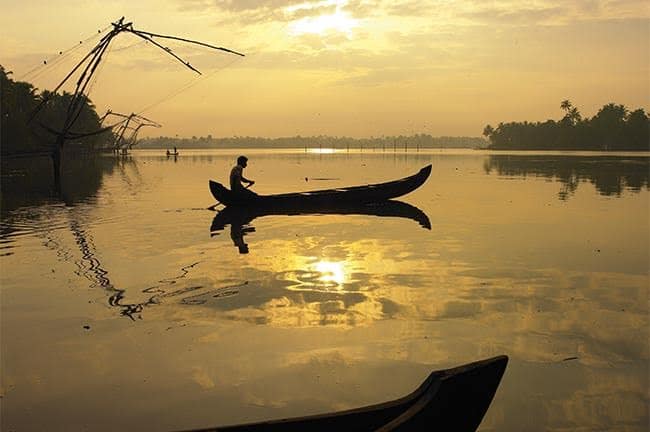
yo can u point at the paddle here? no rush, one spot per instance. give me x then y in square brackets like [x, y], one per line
[214, 206]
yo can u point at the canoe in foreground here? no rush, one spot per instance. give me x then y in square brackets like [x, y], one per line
[356, 194]
[448, 400]
[237, 215]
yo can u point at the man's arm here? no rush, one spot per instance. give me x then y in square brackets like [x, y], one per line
[246, 180]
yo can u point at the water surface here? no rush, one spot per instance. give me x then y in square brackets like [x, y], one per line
[122, 310]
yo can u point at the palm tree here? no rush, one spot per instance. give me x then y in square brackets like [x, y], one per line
[574, 115]
[487, 131]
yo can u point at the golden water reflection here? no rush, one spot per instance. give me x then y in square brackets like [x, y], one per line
[323, 305]
[331, 272]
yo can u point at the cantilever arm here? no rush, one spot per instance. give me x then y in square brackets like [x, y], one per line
[192, 41]
[167, 50]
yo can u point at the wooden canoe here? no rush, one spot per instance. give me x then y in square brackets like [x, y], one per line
[240, 216]
[448, 400]
[356, 194]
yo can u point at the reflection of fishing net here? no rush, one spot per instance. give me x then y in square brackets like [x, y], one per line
[133, 75]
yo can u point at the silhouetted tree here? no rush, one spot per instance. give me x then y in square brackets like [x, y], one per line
[20, 135]
[487, 131]
[608, 124]
[638, 130]
[612, 128]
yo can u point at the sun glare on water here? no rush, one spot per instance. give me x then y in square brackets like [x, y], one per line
[322, 150]
[331, 271]
[337, 21]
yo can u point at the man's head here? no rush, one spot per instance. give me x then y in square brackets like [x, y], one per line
[242, 161]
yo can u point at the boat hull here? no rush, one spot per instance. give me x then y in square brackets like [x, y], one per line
[448, 400]
[357, 194]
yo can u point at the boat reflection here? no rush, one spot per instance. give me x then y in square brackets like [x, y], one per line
[240, 219]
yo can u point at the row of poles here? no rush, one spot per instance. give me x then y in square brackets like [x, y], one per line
[361, 147]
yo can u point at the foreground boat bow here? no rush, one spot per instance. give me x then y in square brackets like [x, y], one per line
[448, 400]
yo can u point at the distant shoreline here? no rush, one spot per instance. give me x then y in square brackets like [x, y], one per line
[321, 141]
[311, 150]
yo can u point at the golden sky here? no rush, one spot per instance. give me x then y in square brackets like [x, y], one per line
[345, 67]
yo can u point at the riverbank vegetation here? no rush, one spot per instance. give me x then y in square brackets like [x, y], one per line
[20, 134]
[321, 141]
[613, 128]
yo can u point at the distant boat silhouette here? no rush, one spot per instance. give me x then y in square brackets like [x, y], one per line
[448, 400]
[357, 194]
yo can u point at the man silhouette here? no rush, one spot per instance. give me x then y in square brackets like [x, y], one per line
[237, 177]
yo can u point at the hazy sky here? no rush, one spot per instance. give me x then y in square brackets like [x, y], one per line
[337, 67]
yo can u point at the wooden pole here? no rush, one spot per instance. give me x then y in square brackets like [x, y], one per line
[91, 62]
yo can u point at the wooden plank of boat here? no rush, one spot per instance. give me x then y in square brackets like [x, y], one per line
[448, 400]
[237, 215]
[356, 194]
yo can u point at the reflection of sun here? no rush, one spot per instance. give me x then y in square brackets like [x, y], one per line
[322, 150]
[331, 271]
[340, 20]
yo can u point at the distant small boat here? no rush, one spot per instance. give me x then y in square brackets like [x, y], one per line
[172, 154]
[356, 194]
[448, 400]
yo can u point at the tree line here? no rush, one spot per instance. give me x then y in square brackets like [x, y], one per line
[20, 134]
[385, 142]
[613, 128]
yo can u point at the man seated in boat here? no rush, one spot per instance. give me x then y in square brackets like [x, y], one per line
[237, 177]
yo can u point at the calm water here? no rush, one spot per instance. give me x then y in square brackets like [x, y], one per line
[120, 310]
